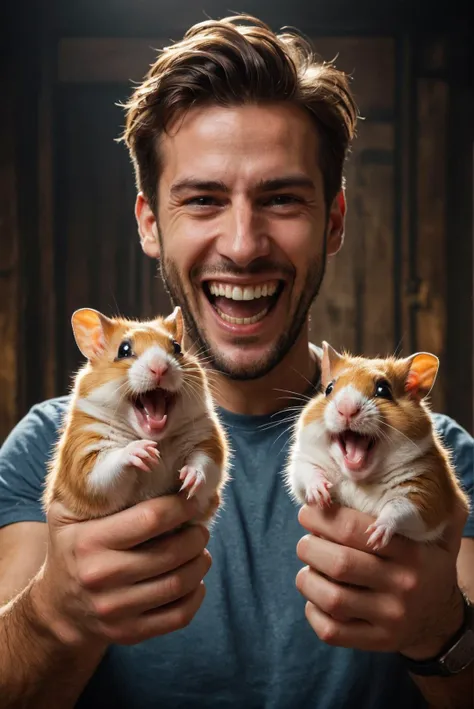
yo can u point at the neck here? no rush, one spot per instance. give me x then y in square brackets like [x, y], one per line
[274, 391]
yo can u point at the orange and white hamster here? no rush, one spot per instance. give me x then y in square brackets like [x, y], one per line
[141, 422]
[367, 442]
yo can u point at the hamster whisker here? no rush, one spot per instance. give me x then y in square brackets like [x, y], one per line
[311, 384]
[303, 397]
[384, 423]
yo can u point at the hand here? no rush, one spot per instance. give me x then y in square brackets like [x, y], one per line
[115, 579]
[403, 599]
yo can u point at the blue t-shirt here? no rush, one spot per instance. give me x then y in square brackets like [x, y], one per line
[249, 644]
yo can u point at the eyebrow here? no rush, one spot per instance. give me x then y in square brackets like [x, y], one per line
[270, 185]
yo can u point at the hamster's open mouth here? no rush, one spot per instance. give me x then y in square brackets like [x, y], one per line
[152, 409]
[357, 449]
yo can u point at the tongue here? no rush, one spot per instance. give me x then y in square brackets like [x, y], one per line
[154, 410]
[242, 308]
[356, 450]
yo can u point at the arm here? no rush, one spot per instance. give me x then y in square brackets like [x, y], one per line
[102, 581]
[456, 691]
[31, 658]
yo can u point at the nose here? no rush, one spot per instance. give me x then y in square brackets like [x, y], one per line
[158, 369]
[244, 237]
[348, 408]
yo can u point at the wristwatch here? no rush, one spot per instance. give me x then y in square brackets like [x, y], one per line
[457, 654]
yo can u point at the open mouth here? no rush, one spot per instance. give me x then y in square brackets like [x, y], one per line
[356, 448]
[243, 304]
[152, 409]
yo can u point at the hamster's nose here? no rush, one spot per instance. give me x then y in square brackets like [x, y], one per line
[158, 370]
[348, 408]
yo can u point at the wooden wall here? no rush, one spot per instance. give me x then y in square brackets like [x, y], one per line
[402, 282]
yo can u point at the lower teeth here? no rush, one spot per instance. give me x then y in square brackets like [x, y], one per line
[243, 321]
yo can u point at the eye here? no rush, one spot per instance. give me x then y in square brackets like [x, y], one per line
[125, 350]
[329, 388]
[383, 391]
[282, 200]
[177, 348]
[203, 201]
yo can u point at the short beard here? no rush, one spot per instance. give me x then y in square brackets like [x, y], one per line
[203, 347]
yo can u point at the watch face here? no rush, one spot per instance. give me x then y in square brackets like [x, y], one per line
[461, 654]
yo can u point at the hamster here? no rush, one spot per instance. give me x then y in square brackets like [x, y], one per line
[367, 442]
[141, 422]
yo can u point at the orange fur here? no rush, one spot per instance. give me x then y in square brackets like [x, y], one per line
[72, 463]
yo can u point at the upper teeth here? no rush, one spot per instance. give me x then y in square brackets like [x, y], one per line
[243, 293]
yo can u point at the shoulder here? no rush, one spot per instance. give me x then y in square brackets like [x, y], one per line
[23, 460]
[460, 444]
[40, 425]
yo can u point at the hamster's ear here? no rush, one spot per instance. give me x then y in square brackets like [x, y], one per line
[329, 362]
[420, 374]
[91, 331]
[174, 324]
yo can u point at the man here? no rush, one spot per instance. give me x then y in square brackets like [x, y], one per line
[238, 139]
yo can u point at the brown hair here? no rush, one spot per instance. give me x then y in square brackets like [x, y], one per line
[234, 61]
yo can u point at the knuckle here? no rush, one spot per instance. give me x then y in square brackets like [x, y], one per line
[118, 634]
[175, 586]
[102, 608]
[409, 582]
[149, 519]
[341, 566]
[348, 530]
[302, 548]
[89, 575]
[396, 613]
[328, 633]
[335, 600]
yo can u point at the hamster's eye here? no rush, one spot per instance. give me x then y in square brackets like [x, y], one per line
[383, 391]
[177, 348]
[329, 388]
[125, 350]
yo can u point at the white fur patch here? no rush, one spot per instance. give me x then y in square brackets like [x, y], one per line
[107, 470]
[141, 378]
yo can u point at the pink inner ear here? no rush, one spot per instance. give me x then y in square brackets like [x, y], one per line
[412, 383]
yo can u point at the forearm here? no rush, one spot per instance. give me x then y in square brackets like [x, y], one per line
[456, 692]
[38, 670]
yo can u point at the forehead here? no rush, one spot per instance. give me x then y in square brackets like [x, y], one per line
[142, 337]
[364, 375]
[247, 143]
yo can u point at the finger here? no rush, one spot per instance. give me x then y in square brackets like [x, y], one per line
[173, 617]
[347, 527]
[453, 533]
[154, 593]
[112, 569]
[343, 564]
[137, 524]
[353, 634]
[345, 603]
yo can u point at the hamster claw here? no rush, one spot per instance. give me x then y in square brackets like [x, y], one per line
[143, 455]
[380, 535]
[193, 479]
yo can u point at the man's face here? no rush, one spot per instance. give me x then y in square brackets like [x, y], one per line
[243, 230]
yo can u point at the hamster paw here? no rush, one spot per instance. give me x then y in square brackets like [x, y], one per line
[142, 454]
[317, 492]
[193, 479]
[380, 535]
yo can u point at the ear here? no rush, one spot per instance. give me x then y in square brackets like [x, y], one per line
[147, 227]
[335, 227]
[91, 331]
[174, 323]
[329, 362]
[421, 375]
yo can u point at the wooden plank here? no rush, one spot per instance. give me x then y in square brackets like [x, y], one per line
[371, 63]
[431, 208]
[354, 309]
[47, 304]
[9, 264]
[105, 59]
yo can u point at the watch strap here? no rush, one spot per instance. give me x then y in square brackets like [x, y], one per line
[455, 656]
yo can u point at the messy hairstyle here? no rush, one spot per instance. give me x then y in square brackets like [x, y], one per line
[230, 62]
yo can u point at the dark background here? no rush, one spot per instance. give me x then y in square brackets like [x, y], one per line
[67, 234]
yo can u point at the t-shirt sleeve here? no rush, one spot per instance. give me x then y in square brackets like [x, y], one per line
[23, 459]
[461, 445]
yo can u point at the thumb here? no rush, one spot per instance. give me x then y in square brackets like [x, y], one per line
[455, 528]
